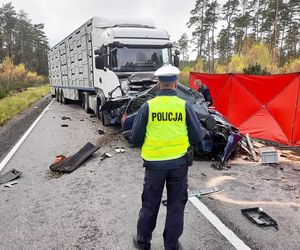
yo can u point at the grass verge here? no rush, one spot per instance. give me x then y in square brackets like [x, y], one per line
[16, 103]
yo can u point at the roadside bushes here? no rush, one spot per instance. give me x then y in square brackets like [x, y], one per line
[17, 78]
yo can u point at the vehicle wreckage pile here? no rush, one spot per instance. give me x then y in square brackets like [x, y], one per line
[221, 140]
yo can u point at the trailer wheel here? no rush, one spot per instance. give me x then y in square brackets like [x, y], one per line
[57, 95]
[62, 98]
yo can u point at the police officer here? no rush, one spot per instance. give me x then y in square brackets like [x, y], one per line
[204, 90]
[165, 127]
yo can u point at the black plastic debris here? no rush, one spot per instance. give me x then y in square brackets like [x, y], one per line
[101, 131]
[66, 118]
[73, 162]
[64, 125]
[9, 176]
[257, 216]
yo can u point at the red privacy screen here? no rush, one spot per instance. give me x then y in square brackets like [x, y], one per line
[266, 107]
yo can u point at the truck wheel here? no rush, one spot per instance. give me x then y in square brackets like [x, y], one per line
[102, 115]
[105, 118]
[57, 95]
[63, 99]
[85, 103]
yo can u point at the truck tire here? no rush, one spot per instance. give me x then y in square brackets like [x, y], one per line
[105, 118]
[102, 115]
[85, 103]
[63, 99]
[57, 95]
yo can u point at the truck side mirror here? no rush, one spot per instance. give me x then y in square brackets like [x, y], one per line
[99, 62]
[176, 61]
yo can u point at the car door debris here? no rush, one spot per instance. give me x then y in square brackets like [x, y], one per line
[73, 162]
[257, 216]
[9, 176]
[10, 184]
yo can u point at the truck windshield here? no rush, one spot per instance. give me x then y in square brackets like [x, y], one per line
[139, 59]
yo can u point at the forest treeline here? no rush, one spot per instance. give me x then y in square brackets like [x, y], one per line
[239, 34]
[23, 51]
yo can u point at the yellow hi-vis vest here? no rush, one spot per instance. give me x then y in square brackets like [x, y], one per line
[166, 132]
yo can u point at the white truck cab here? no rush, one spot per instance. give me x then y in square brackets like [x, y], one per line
[106, 59]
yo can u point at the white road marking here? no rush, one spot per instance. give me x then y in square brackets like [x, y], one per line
[215, 221]
[22, 139]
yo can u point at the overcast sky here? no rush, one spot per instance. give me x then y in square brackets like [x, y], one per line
[61, 17]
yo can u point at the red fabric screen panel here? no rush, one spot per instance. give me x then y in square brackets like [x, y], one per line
[267, 107]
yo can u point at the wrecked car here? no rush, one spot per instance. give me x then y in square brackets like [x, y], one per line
[221, 139]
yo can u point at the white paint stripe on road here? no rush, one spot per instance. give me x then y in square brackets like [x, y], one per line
[22, 139]
[215, 221]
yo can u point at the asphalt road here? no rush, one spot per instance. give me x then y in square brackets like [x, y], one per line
[96, 206]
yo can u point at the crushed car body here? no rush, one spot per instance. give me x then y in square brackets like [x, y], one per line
[221, 139]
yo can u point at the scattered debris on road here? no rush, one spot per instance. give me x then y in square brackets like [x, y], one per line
[66, 118]
[219, 166]
[59, 158]
[101, 131]
[196, 193]
[10, 184]
[9, 176]
[257, 216]
[104, 156]
[73, 162]
[119, 149]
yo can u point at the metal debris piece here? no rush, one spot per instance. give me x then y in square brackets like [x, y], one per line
[73, 162]
[204, 191]
[64, 125]
[119, 149]
[101, 131]
[9, 176]
[196, 193]
[257, 216]
[253, 154]
[104, 156]
[10, 184]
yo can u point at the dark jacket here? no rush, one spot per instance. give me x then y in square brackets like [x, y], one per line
[139, 130]
[204, 90]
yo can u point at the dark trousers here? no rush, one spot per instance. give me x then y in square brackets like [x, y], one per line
[154, 181]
